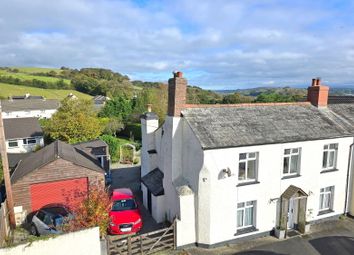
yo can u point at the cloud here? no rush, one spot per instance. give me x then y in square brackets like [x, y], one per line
[218, 44]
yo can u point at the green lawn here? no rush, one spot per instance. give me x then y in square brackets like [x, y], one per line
[26, 76]
[7, 90]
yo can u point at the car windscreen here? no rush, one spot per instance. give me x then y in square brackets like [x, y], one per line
[124, 205]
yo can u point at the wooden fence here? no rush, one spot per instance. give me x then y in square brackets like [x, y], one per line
[148, 243]
[4, 223]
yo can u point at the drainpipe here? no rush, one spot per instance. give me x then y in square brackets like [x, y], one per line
[348, 175]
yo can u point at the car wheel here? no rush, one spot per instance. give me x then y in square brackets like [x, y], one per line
[34, 230]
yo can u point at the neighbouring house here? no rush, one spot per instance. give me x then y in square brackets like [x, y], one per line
[23, 135]
[232, 172]
[99, 150]
[58, 173]
[99, 101]
[27, 108]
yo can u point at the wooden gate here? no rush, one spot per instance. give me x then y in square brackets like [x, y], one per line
[148, 243]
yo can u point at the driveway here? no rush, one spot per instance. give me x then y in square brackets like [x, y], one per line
[328, 238]
[129, 177]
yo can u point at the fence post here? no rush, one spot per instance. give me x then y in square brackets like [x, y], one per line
[174, 234]
[141, 245]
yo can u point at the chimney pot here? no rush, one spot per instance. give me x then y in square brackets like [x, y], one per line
[177, 74]
[318, 81]
[313, 82]
[149, 107]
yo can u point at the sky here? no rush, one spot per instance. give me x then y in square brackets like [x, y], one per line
[223, 44]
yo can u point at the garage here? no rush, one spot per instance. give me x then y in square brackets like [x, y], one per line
[67, 192]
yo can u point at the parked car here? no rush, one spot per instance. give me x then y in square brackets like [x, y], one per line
[49, 219]
[125, 214]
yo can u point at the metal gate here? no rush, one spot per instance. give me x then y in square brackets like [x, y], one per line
[148, 243]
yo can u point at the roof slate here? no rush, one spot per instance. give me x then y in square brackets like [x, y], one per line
[223, 127]
[22, 127]
[55, 150]
[29, 104]
[153, 182]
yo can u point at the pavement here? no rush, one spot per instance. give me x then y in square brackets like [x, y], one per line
[328, 238]
[129, 177]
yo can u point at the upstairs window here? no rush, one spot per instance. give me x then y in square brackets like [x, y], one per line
[291, 162]
[247, 166]
[329, 160]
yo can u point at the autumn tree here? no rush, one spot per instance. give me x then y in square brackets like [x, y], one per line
[75, 121]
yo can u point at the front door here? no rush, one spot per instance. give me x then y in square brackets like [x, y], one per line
[292, 213]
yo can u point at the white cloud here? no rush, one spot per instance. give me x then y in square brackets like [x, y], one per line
[217, 43]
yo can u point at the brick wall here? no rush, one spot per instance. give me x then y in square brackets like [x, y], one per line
[177, 92]
[57, 170]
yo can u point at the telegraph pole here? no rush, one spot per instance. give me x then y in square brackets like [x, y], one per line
[5, 166]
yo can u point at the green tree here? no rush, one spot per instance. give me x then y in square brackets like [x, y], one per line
[118, 107]
[75, 121]
[113, 146]
[236, 98]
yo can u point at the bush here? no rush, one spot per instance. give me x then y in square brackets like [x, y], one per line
[92, 212]
[113, 145]
[132, 130]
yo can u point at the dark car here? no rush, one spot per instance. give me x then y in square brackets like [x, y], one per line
[49, 220]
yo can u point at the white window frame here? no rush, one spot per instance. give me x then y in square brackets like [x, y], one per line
[292, 153]
[240, 208]
[324, 193]
[25, 141]
[246, 161]
[12, 141]
[327, 148]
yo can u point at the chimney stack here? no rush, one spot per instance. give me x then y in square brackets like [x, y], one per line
[177, 91]
[317, 94]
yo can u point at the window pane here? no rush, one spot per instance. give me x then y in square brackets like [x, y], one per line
[332, 146]
[324, 161]
[242, 156]
[327, 202]
[24, 141]
[287, 151]
[252, 155]
[286, 165]
[13, 143]
[240, 218]
[294, 164]
[325, 147]
[240, 205]
[249, 216]
[321, 201]
[249, 203]
[331, 159]
[31, 141]
[251, 169]
[241, 170]
[295, 150]
[328, 189]
[321, 190]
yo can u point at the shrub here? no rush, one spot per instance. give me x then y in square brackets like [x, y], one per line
[113, 146]
[92, 212]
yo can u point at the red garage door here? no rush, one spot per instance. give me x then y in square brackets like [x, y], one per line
[68, 192]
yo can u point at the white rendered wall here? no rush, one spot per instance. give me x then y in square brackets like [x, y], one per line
[222, 195]
[145, 194]
[29, 114]
[24, 148]
[186, 233]
[157, 210]
[85, 242]
[148, 128]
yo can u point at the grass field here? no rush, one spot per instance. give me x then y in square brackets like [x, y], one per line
[7, 90]
[25, 76]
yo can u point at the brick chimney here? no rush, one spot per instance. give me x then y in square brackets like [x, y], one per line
[317, 94]
[177, 91]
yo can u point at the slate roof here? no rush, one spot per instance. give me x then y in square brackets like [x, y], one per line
[14, 158]
[29, 104]
[153, 182]
[292, 190]
[55, 150]
[21, 128]
[95, 147]
[223, 127]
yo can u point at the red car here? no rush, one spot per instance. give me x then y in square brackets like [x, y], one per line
[125, 214]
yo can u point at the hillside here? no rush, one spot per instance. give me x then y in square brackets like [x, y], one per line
[7, 90]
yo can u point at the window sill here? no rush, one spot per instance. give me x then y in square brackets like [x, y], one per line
[329, 170]
[325, 212]
[247, 183]
[245, 230]
[290, 176]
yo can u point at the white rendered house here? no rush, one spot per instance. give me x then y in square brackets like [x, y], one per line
[29, 108]
[230, 172]
[23, 135]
